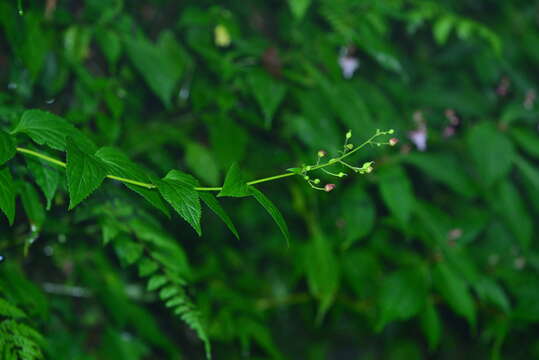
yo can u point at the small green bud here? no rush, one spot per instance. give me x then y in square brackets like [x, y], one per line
[348, 134]
[391, 131]
[306, 177]
[331, 161]
[349, 146]
[341, 174]
[316, 181]
[321, 153]
[308, 168]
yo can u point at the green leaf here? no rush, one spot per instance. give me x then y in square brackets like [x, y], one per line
[273, 211]
[118, 164]
[529, 171]
[159, 67]
[7, 147]
[323, 273]
[147, 267]
[397, 192]
[444, 168]
[8, 310]
[178, 189]
[51, 130]
[491, 151]
[156, 281]
[299, 7]
[214, 205]
[442, 29]
[46, 175]
[85, 173]
[527, 140]
[7, 194]
[510, 205]
[32, 204]
[454, 290]
[431, 325]
[201, 161]
[127, 250]
[268, 92]
[488, 290]
[235, 184]
[402, 296]
[358, 213]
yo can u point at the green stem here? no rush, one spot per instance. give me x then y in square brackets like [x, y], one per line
[152, 186]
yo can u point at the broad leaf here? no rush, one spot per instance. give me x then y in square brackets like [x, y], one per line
[299, 7]
[402, 296]
[32, 204]
[127, 249]
[235, 184]
[488, 290]
[358, 214]
[7, 194]
[443, 168]
[323, 273]
[159, 67]
[201, 161]
[51, 130]
[397, 192]
[118, 164]
[491, 151]
[455, 292]
[268, 92]
[431, 325]
[273, 211]
[85, 173]
[214, 205]
[7, 147]
[178, 189]
[46, 175]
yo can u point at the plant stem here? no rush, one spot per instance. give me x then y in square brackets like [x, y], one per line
[152, 186]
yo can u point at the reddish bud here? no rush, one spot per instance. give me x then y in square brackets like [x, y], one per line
[329, 187]
[393, 141]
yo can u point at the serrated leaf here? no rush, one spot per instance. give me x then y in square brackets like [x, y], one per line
[8, 310]
[322, 269]
[178, 189]
[455, 292]
[51, 130]
[118, 164]
[156, 281]
[147, 267]
[85, 173]
[491, 151]
[442, 29]
[7, 147]
[214, 205]
[235, 184]
[273, 211]
[7, 194]
[175, 301]
[402, 296]
[397, 192]
[431, 325]
[46, 175]
[32, 204]
[268, 92]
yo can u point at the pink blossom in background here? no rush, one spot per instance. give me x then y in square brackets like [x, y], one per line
[419, 137]
[348, 63]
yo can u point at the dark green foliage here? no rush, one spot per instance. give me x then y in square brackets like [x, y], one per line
[124, 124]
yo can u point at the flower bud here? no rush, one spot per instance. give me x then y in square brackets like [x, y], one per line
[306, 177]
[393, 141]
[391, 131]
[321, 153]
[316, 181]
[329, 187]
[341, 174]
[349, 146]
[349, 134]
[308, 168]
